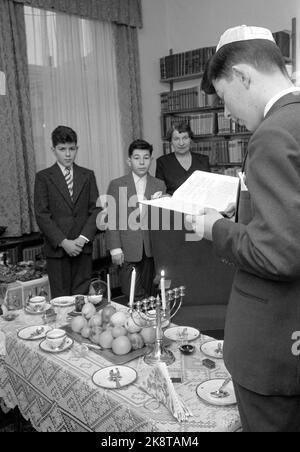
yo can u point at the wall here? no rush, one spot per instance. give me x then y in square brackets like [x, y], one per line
[190, 24]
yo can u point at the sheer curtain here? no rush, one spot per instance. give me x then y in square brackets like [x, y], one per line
[73, 82]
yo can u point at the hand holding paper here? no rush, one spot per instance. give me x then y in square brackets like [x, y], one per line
[202, 224]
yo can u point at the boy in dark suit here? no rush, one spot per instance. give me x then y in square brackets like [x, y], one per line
[65, 208]
[130, 244]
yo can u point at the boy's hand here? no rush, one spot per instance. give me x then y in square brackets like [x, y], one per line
[118, 259]
[80, 241]
[71, 248]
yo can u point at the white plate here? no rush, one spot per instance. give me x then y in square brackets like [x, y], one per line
[210, 349]
[174, 332]
[205, 388]
[63, 302]
[46, 348]
[29, 333]
[29, 310]
[102, 377]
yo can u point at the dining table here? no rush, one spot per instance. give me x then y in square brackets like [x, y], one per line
[57, 393]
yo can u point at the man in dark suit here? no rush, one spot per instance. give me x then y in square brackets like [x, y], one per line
[65, 208]
[129, 239]
[263, 318]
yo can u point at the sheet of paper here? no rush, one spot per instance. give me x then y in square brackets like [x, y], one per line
[200, 190]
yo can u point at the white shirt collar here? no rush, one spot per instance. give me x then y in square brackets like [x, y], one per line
[278, 96]
[62, 167]
[139, 179]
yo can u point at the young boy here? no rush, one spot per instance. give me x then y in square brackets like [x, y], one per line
[65, 209]
[129, 243]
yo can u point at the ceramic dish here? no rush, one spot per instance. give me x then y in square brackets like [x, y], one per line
[33, 332]
[213, 349]
[103, 377]
[205, 389]
[175, 333]
[66, 345]
[29, 310]
[63, 302]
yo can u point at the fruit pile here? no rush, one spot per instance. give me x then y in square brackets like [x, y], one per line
[112, 329]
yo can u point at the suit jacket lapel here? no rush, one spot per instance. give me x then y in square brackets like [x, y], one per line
[79, 179]
[59, 181]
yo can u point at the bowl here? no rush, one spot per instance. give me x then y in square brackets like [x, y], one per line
[187, 349]
[95, 299]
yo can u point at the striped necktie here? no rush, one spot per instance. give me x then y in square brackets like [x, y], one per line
[69, 181]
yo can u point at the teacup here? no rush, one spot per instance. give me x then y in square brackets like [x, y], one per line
[56, 338]
[37, 303]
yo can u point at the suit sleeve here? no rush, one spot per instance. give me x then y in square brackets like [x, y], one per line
[90, 228]
[42, 212]
[113, 239]
[269, 246]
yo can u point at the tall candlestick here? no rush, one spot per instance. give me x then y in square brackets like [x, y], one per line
[108, 288]
[163, 290]
[132, 287]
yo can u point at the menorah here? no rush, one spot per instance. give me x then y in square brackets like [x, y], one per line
[153, 312]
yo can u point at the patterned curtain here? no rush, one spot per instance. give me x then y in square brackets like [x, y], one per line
[127, 12]
[16, 142]
[129, 86]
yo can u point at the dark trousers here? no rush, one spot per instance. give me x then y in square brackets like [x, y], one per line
[144, 277]
[69, 275]
[260, 413]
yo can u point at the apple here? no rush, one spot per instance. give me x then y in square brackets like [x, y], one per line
[131, 326]
[96, 320]
[148, 333]
[78, 323]
[136, 340]
[95, 334]
[88, 310]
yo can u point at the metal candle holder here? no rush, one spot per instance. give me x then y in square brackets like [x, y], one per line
[150, 309]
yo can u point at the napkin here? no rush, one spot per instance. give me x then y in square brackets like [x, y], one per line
[158, 384]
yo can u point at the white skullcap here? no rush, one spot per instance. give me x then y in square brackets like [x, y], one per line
[244, 33]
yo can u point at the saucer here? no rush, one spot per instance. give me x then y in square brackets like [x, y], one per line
[29, 310]
[174, 332]
[31, 333]
[210, 349]
[102, 377]
[205, 388]
[63, 302]
[46, 348]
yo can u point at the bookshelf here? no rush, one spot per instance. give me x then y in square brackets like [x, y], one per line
[223, 140]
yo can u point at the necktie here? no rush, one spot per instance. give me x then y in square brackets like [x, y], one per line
[69, 180]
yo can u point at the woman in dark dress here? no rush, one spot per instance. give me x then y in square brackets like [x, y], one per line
[177, 167]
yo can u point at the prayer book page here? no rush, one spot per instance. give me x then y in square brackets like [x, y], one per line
[200, 190]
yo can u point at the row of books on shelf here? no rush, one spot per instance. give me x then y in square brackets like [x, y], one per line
[204, 124]
[187, 98]
[185, 63]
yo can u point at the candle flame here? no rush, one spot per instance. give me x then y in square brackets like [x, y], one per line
[162, 273]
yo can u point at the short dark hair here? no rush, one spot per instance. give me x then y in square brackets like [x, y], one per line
[182, 127]
[63, 134]
[262, 54]
[140, 144]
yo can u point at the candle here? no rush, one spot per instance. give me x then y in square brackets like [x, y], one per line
[163, 290]
[132, 287]
[108, 288]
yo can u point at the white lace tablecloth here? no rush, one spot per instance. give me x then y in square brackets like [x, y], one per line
[56, 392]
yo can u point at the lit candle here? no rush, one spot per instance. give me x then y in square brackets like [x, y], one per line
[163, 290]
[108, 289]
[132, 287]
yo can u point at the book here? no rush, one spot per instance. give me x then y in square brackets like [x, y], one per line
[200, 190]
